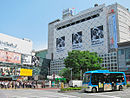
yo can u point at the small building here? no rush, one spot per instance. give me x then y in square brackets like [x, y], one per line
[44, 64]
[124, 56]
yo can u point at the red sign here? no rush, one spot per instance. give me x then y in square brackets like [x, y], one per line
[112, 11]
[10, 57]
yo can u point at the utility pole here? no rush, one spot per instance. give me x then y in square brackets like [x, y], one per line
[71, 73]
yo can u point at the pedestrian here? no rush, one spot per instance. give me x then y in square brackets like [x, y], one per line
[43, 84]
[15, 84]
[12, 84]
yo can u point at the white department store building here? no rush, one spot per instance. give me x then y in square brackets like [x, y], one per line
[96, 29]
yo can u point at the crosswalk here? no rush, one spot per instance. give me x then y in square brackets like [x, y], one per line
[34, 94]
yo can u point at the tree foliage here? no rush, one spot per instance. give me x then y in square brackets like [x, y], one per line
[82, 60]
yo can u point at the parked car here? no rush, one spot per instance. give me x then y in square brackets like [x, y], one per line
[75, 83]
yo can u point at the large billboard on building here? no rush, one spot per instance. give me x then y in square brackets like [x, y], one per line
[35, 61]
[60, 44]
[97, 36]
[77, 40]
[26, 59]
[10, 57]
[7, 71]
[10, 43]
[112, 31]
[25, 72]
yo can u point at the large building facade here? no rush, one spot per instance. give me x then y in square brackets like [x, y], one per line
[97, 29]
[15, 54]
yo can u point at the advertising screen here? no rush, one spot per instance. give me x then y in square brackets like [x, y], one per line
[60, 44]
[97, 36]
[26, 59]
[112, 31]
[77, 40]
[10, 57]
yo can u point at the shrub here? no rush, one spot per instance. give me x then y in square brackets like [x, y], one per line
[71, 88]
[128, 85]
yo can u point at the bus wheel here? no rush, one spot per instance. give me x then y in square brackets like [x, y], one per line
[120, 88]
[94, 90]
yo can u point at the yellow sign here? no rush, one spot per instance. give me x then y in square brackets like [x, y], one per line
[25, 72]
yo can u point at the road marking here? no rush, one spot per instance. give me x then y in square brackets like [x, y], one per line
[102, 95]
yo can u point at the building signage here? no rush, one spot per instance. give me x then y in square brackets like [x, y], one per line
[10, 57]
[7, 44]
[25, 72]
[7, 71]
[26, 59]
[77, 40]
[60, 44]
[112, 31]
[97, 36]
[35, 60]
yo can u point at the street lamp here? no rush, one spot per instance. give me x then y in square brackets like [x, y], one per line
[71, 72]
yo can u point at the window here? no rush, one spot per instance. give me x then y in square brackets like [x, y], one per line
[117, 77]
[79, 21]
[122, 51]
[96, 78]
[86, 78]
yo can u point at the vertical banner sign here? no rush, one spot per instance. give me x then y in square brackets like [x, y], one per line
[60, 44]
[112, 31]
[97, 36]
[77, 40]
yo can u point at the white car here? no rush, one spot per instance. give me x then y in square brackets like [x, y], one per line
[75, 83]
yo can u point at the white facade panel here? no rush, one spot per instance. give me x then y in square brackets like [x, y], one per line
[13, 44]
[124, 23]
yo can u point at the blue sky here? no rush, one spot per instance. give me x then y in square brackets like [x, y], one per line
[30, 18]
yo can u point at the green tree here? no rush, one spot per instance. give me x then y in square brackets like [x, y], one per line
[82, 61]
[65, 72]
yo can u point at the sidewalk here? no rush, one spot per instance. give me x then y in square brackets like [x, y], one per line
[47, 88]
[29, 88]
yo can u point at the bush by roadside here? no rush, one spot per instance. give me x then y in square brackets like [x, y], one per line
[70, 88]
[128, 85]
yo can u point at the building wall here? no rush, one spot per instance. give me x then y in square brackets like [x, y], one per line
[51, 33]
[44, 64]
[14, 44]
[110, 61]
[124, 59]
[56, 66]
[85, 28]
[123, 23]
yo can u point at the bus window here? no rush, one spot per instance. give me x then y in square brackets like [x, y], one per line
[86, 78]
[94, 79]
[107, 78]
[119, 78]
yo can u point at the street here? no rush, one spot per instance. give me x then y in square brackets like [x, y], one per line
[53, 93]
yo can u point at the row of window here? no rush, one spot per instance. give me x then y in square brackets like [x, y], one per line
[108, 54]
[108, 58]
[79, 21]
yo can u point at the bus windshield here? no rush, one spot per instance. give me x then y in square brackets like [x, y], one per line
[86, 78]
